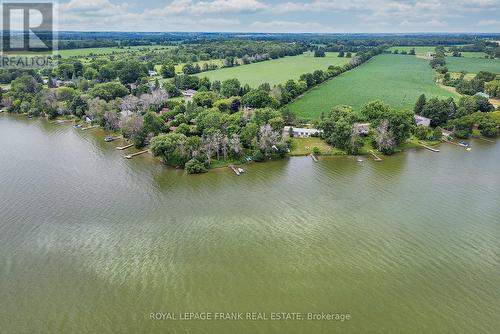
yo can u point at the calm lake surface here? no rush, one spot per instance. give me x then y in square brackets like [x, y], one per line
[93, 243]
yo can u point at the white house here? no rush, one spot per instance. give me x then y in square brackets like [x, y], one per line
[424, 121]
[188, 94]
[302, 132]
[152, 73]
[483, 95]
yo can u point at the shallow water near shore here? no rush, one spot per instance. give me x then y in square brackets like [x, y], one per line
[91, 242]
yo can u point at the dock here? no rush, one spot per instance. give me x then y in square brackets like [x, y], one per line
[121, 148]
[111, 138]
[485, 139]
[314, 158]
[90, 127]
[456, 144]
[130, 156]
[235, 170]
[376, 157]
[428, 147]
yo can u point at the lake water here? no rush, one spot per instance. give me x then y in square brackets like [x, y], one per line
[91, 242]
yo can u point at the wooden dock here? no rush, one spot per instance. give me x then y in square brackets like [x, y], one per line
[121, 148]
[485, 139]
[90, 127]
[376, 157]
[456, 144]
[428, 147]
[314, 158]
[130, 156]
[235, 170]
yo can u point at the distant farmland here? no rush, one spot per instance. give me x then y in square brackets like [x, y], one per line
[83, 52]
[472, 65]
[276, 71]
[425, 50]
[395, 79]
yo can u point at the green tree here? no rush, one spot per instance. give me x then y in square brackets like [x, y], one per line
[230, 87]
[419, 106]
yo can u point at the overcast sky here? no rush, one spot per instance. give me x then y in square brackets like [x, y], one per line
[282, 16]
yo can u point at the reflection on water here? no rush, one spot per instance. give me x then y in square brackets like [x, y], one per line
[91, 242]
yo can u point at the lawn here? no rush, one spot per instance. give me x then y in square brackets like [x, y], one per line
[395, 79]
[304, 146]
[276, 71]
[472, 65]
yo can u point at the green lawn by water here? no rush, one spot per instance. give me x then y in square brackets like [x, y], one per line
[395, 79]
[276, 71]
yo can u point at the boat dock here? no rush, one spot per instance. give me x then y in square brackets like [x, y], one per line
[90, 127]
[314, 158]
[376, 157]
[456, 144]
[111, 138]
[130, 156]
[121, 148]
[235, 170]
[428, 147]
[485, 139]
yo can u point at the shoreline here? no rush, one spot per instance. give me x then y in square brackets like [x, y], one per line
[411, 144]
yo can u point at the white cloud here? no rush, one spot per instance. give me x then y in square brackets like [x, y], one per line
[289, 26]
[489, 23]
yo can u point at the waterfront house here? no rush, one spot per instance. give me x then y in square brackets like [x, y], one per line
[446, 133]
[483, 95]
[188, 94]
[362, 129]
[424, 121]
[302, 132]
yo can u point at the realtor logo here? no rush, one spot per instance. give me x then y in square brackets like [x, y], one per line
[27, 26]
[27, 30]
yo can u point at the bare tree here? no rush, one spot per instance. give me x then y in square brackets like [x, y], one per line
[129, 105]
[131, 125]
[384, 138]
[111, 119]
[209, 145]
[235, 144]
[268, 138]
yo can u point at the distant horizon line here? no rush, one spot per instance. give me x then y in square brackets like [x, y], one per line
[268, 32]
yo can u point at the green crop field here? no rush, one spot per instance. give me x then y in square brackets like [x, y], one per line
[472, 65]
[395, 79]
[104, 51]
[276, 71]
[218, 62]
[419, 50]
[425, 50]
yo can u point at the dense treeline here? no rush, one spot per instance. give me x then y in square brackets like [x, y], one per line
[459, 117]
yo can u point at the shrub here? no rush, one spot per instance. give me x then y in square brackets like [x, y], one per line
[194, 166]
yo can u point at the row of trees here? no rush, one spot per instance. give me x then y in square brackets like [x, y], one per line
[469, 87]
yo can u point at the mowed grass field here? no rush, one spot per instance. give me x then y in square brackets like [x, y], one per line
[276, 71]
[395, 79]
[472, 65]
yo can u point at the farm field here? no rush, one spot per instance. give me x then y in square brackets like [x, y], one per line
[276, 71]
[395, 79]
[104, 51]
[424, 50]
[218, 62]
[472, 65]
